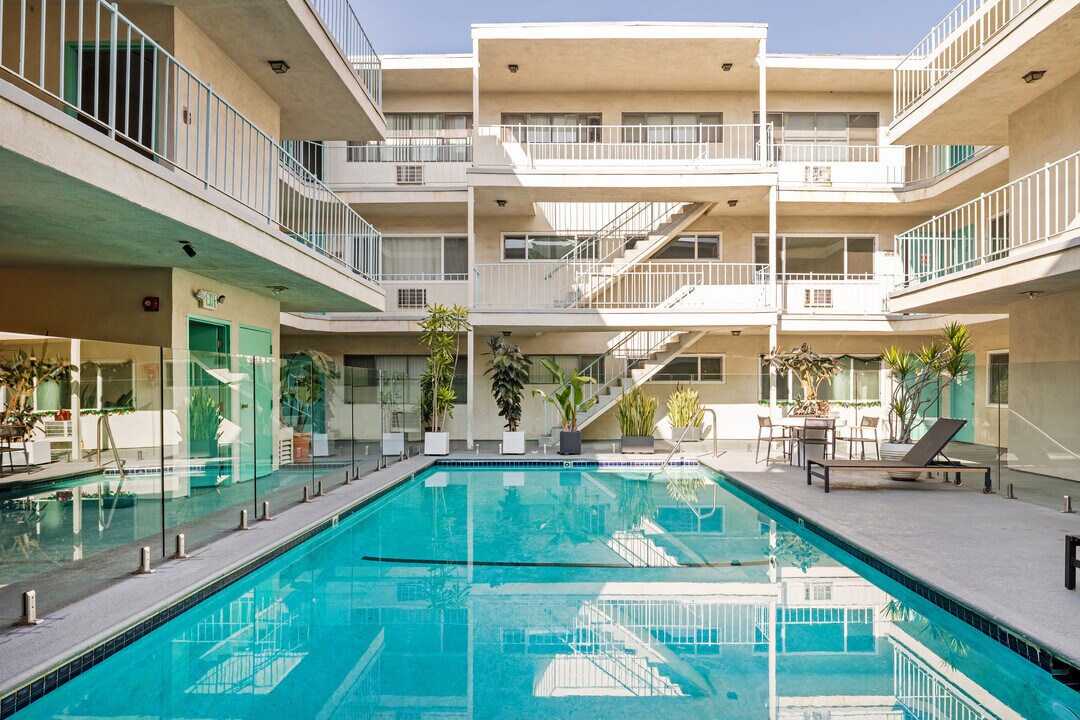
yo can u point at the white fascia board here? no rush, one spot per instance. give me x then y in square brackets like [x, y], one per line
[620, 31]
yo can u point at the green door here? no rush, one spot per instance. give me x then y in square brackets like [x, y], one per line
[962, 402]
[256, 402]
[210, 403]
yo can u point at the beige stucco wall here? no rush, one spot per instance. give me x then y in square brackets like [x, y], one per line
[240, 307]
[1046, 129]
[1044, 385]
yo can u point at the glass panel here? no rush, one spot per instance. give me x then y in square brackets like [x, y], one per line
[712, 368]
[998, 379]
[456, 258]
[860, 260]
[549, 247]
[406, 256]
[814, 255]
[680, 369]
[680, 248]
[514, 247]
[867, 379]
[708, 247]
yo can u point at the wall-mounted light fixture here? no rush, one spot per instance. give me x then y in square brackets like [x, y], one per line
[279, 66]
[512, 68]
[736, 333]
[732, 203]
[1032, 294]
[1033, 75]
[187, 247]
[500, 203]
[506, 333]
[276, 290]
[726, 67]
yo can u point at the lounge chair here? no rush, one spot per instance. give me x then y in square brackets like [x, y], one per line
[921, 457]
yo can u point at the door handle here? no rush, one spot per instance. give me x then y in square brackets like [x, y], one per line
[244, 406]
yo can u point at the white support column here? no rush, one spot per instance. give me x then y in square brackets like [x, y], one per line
[762, 123]
[470, 387]
[774, 256]
[773, 342]
[76, 407]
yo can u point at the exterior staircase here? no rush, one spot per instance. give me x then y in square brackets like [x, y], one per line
[638, 356]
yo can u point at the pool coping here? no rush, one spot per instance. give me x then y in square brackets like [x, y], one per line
[1055, 664]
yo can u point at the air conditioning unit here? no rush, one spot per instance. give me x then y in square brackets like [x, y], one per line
[411, 298]
[817, 298]
[410, 174]
[817, 174]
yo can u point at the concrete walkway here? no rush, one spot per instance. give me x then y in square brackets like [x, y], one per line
[1002, 558]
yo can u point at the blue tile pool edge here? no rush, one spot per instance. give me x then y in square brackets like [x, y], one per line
[35, 688]
[1059, 668]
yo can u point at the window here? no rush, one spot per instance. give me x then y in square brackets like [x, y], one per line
[858, 381]
[817, 591]
[394, 379]
[539, 375]
[437, 257]
[997, 377]
[693, 368]
[673, 127]
[554, 127]
[429, 124]
[823, 128]
[819, 254]
[418, 137]
[691, 247]
[107, 385]
[541, 247]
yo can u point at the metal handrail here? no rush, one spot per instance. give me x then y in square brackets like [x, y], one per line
[103, 419]
[671, 454]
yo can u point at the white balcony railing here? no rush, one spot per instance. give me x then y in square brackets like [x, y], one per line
[396, 165]
[926, 163]
[855, 165]
[646, 286]
[833, 294]
[971, 26]
[684, 146]
[1039, 207]
[86, 58]
[345, 28]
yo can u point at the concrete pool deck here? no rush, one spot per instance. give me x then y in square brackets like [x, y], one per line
[1004, 559]
[1001, 558]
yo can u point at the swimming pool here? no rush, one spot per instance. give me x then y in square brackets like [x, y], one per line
[581, 592]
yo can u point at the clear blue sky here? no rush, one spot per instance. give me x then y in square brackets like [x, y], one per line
[812, 26]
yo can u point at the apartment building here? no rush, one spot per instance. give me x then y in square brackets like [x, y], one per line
[657, 204]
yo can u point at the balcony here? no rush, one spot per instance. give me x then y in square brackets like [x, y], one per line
[340, 19]
[833, 294]
[411, 294]
[126, 95]
[867, 166]
[417, 163]
[1010, 237]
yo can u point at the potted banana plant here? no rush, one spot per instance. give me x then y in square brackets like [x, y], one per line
[569, 400]
[508, 369]
[685, 414]
[440, 331]
[636, 414]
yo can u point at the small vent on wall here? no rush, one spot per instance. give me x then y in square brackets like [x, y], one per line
[818, 174]
[410, 174]
[818, 298]
[411, 298]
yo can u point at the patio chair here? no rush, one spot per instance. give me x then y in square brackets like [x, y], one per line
[921, 457]
[815, 431]
[865, 432]
[12, 433]
[768, 434]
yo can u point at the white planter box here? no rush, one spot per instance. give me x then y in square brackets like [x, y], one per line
[393, 443]
[320, 444]
[513, 443]
[39, 451]
[436, 443]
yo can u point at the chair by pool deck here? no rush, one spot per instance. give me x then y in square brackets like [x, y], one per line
[922, 456]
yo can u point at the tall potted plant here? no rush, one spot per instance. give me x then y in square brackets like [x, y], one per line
[205, 422]
[440, 332]
[569, 400]
[20, 374]
[303, 386]
[636, 414]
[811, 369]
[508, 369]
[685, 414]
[918, 380]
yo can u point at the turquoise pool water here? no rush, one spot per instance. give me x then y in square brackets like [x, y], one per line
[563, 593]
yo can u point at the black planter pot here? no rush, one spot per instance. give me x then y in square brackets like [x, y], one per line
[570, 442]
[638, 444]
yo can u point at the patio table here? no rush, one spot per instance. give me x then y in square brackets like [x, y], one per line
[815, 452]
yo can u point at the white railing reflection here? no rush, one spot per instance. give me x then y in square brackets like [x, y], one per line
[970, 27]
[1038, 207]
[88, 59]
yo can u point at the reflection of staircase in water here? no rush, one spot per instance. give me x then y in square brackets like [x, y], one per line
[640, 550]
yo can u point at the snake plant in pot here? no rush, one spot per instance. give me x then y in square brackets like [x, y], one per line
[636, 413]
[440, 331]
[569, 400]
[685, 414]
[508, 369]
[918, 380]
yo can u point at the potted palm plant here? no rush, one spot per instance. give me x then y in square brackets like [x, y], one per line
[811, 369]
[685, 414]
[569, 400]
[636, 413]
[303, 386]
[918, 379]
[440, 331]
[508, 369]
[20, 374]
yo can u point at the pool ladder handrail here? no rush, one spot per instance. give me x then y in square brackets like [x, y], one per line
[679, 442]
[103, 419]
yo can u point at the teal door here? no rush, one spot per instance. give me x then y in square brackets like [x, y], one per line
[210, 402]
[962, 402]
[256, 402]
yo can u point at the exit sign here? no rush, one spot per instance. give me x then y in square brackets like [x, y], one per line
[207, 300]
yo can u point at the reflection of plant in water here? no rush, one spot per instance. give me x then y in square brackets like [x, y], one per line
[511, 511]
[635, 502]
[685, 488]
[566, 521]
[795, 550]
[444, 591]
[954, 649]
